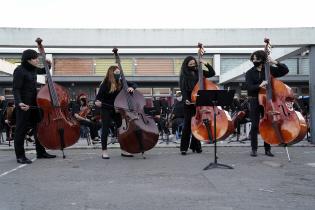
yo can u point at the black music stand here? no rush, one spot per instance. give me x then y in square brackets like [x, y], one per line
[214, 98]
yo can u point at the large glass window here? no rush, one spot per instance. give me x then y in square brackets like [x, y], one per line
[145, 91]
[228, 64]
[305, 66]
[101, 66]
[161, 91]
[292, 64]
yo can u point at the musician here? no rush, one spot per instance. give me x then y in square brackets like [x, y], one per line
[24, 91]
[160, 118]
[177, 114]
[105, 98]
[81, 111]
[235, 107]
[255, 80]
[188, 80]
[9, 120]
[3, 107]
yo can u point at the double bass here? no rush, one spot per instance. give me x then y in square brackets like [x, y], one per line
[281, 124]
[57, 129]
[224, 124]
[138, 132]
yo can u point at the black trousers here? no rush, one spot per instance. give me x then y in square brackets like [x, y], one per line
[175, 123]
[189, 112]
[93, 127]
[255, 111]
[23, 123]
[108, 117]
[162, 126]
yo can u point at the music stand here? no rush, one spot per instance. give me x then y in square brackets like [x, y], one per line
[214, 98]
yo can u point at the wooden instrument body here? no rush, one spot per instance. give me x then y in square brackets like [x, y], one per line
[279, 112]
[56, 118]
[138, 132]
[224, 124]
[136, 126]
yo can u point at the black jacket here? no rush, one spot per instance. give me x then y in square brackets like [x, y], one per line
[178, 109]
[24, 83]
[108, 98]
[254, 77]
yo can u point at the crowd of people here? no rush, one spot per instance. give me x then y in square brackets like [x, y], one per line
[101, 119]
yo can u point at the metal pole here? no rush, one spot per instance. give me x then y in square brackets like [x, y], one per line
[312, 92]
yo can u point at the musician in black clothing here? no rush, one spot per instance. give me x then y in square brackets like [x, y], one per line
[255, 80]
[3, 107]
[177, 114]
[161, 115]
[105, 98]
[187, 82]
[24, 91]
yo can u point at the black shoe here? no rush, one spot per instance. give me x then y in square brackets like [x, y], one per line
[45, 156]
[126, 155]
[253, 153]
[268, 153]
[23, 160]
[199, 150]
[183, 152]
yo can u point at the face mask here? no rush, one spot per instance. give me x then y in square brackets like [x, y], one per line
[192, 68]
[179, 98]
[117, 77]
[257, 63]
[83, 100]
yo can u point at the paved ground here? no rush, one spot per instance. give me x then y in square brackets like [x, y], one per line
[165, 180]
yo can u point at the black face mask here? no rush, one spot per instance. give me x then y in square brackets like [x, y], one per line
[83, 100]
[257, 63]
[192, 68]
[117, 77]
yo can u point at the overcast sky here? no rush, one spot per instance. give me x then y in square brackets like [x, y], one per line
[156, 13]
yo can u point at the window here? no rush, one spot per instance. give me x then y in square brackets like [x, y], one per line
[161, 91]
[305, 66]
[228, 64]
[292, 64]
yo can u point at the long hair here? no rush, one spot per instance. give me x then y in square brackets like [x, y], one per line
[110, 81]
[187, 77]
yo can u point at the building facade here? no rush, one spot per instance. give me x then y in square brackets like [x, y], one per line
[152, 58]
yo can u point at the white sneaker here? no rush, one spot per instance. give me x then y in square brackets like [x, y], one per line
[126, 154]
[96, 141]
[105, 154]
